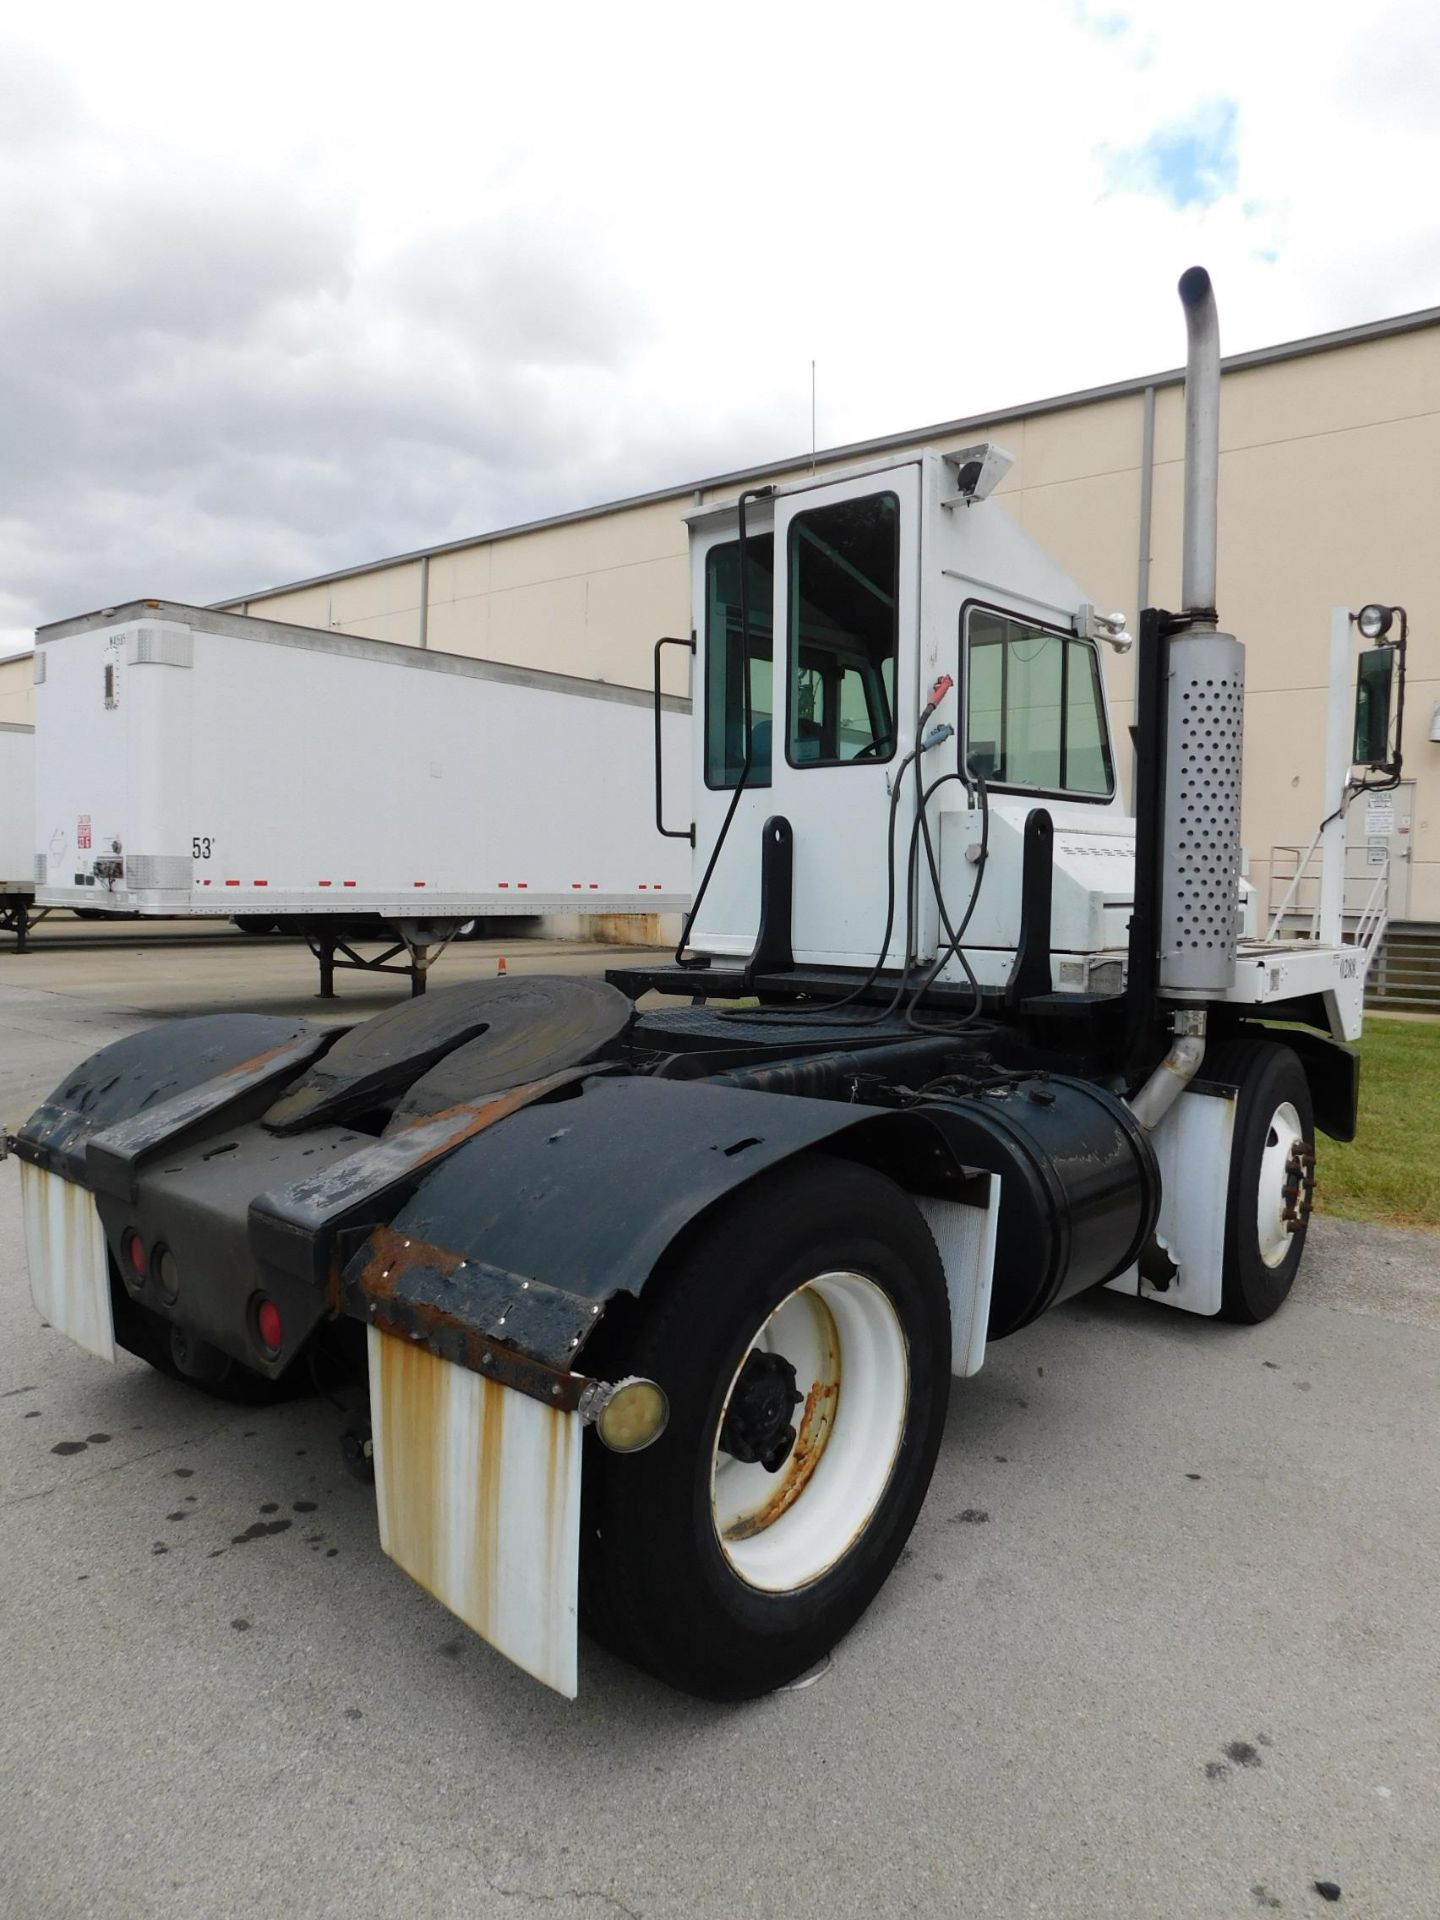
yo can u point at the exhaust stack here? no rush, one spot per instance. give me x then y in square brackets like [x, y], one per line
[1205, 702]
[1202, 448]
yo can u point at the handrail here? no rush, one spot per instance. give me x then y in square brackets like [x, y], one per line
[1374, 917]
[670, 833]
[1284, 907]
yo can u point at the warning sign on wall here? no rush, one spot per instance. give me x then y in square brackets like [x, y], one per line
[1379, 817]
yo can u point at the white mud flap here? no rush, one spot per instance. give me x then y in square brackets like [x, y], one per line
[69, 1271]
[964, 1233]
[478, 1493]
[1192, 1144]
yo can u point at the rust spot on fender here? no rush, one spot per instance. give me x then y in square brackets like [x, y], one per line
[393, 1256]
[259, 1061]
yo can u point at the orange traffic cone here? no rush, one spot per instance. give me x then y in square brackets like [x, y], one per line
[500, 968]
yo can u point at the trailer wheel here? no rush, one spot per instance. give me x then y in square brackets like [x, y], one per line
[803, 1339]
[257, 923]
[1272, 1179]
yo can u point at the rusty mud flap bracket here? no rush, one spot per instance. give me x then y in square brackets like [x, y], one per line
[476, 1316]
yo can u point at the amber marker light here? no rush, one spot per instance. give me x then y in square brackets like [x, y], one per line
[627, 1417]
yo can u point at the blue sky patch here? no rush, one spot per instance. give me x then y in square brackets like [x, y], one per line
[1190, 163]
[1106, 23]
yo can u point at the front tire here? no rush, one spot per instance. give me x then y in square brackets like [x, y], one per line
[734, 1553]
[1272, 1178]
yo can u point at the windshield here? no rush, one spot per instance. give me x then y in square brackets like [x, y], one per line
[1035, 711]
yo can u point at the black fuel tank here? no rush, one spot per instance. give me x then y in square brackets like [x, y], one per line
[1080, 1187]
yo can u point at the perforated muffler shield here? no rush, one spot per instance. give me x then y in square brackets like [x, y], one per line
[1205, 726]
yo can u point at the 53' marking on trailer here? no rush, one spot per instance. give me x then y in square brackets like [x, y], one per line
[200, 847]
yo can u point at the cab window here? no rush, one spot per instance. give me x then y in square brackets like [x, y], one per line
[843, 577]
[728, 663]
[1035, 712]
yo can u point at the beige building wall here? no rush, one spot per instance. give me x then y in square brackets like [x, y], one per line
[17, 696]
[1329, 483]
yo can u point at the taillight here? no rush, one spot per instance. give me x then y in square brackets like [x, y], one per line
[135, 1254]
[269, 1326]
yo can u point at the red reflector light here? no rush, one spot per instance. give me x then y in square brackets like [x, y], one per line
[268, 1326]
[135, 1253]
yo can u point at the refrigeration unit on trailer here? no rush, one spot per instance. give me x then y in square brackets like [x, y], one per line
[17, 828]
[656, 1310]
[197, 763]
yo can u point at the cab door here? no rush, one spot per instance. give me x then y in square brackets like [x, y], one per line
[847, 568]
[733, 690]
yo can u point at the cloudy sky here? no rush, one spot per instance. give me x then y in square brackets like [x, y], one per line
[289, 288]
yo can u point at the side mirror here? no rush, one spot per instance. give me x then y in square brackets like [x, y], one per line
[1380, 690]
[1374, 689]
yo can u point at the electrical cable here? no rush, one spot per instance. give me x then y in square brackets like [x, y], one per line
[954, 935]
[939, 734]
[829, 1006]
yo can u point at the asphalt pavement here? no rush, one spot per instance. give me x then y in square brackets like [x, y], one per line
[1165, 1642]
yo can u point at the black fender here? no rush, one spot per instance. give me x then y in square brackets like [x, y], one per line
[1332, 1073]
[526, 1232]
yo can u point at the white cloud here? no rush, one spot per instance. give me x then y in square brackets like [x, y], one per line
[295, 287]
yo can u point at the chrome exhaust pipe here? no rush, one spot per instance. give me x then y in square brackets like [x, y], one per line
[1202, 449]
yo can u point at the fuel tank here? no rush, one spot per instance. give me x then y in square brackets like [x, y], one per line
[1079, 1190]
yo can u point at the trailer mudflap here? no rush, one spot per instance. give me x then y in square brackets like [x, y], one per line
[477, 1491]
[69, 1266]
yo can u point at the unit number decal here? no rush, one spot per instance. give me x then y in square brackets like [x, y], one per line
[200, 847]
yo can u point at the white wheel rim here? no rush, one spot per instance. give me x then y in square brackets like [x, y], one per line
[780, 1531]
[1283, 1136]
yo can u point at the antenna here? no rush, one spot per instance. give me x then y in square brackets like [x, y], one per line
[812, 416]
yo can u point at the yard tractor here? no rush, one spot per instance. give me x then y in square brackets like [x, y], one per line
[649, 1292]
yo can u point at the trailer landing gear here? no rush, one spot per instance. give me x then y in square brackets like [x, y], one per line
[423, 940]
[718, 1574]
[18, 915]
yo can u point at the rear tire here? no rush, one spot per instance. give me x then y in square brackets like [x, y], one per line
[1273, 1149]
[723, 1578]
[256, 923]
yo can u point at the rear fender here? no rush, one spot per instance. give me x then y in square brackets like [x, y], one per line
[528, 1231]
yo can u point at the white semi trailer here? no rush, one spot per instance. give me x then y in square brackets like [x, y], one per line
[194, 763]
[656, 1311]
[17, 828]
